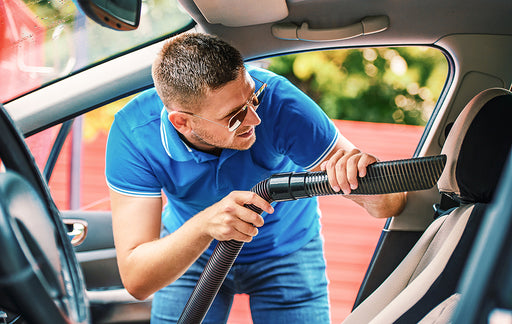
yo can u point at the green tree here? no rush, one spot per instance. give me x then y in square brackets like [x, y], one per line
[391, 85]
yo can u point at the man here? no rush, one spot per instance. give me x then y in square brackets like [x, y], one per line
[210, 130]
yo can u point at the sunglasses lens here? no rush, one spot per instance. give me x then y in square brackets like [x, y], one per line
[237, 119]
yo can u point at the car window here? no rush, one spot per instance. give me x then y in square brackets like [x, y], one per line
[42, 41]
[383, 85]
[77, 181]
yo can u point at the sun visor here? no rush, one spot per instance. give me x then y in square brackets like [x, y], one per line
[236, 13]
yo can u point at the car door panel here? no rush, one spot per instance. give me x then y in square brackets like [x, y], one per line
[110, 302]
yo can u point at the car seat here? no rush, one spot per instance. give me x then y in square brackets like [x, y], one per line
[476, 149]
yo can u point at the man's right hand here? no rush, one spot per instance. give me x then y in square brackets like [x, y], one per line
[136, 222]
[229, 219]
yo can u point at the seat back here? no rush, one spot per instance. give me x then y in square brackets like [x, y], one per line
[476, 150]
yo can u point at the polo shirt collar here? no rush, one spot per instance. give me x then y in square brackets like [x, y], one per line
[174, 145]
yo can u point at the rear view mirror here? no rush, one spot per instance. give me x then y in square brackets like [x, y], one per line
[115, 14]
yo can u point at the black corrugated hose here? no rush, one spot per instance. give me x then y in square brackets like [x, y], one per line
[381, 178]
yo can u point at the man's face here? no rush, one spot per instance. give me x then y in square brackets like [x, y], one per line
[219, 106]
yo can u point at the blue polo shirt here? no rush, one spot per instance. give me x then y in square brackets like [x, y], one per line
[145, 157]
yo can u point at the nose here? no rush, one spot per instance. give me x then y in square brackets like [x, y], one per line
[252, 118]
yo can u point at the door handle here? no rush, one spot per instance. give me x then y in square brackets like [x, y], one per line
[76, 230]
[368, 25]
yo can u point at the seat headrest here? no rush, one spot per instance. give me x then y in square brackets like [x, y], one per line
[477, 146]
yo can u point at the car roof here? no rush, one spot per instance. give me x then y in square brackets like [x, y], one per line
[410, 22]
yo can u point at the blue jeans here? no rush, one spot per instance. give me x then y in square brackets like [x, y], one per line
[288, 289]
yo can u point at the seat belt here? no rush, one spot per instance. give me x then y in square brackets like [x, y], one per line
[447, 203]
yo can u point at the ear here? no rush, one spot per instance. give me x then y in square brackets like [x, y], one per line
[180, 121]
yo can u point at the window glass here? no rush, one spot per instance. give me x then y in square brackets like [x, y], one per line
[41, 144]
[384, 85]
[77, 181]
[42, 41]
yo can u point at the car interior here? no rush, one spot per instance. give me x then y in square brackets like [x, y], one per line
[445, 258]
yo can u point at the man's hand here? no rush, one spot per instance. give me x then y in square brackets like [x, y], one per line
[229, 219]
[343, 167]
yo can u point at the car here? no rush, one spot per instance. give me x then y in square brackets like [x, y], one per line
[68, 66]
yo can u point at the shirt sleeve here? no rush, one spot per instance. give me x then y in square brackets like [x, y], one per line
[302, 131]
[126, 169]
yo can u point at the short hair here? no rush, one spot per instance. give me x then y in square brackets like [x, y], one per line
[190, 64]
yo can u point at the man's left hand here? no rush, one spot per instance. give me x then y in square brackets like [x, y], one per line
[343, 168]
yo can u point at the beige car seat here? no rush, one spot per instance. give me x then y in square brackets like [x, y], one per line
[426, 279]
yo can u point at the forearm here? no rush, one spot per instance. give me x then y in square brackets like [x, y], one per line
[153, 265]
[381, 206]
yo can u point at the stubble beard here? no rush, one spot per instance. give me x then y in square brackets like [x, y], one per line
[217, 145]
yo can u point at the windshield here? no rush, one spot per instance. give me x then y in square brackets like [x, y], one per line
[42, 41]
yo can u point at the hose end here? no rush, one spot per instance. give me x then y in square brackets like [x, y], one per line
[287, 186]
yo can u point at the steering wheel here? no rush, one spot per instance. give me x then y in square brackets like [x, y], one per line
[40, 277]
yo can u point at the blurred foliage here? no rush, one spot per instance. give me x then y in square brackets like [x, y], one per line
[387, 85]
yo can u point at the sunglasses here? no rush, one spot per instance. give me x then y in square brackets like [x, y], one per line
[237, 119]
